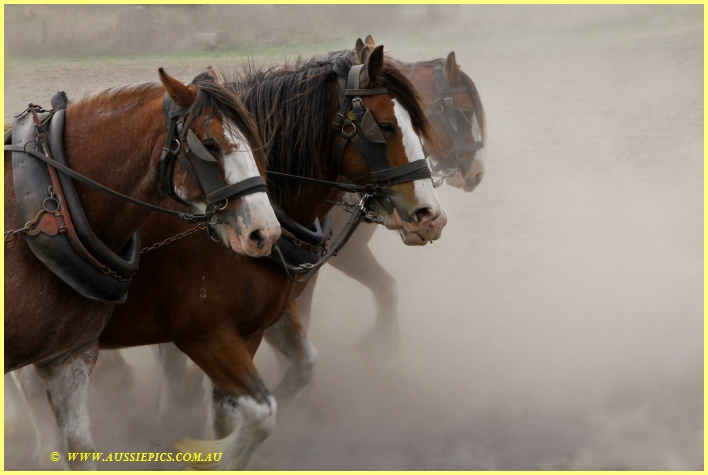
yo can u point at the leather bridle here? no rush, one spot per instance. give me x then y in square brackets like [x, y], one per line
[366, 136]
[456, 124]
[203, 169]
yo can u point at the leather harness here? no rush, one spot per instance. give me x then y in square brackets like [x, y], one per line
[369, 141]
[56, 228]
[453, 120]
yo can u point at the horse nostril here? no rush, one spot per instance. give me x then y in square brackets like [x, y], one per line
[423, 215]
[257, 238]
[478, 178]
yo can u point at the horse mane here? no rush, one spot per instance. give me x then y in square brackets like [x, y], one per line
[293, 107]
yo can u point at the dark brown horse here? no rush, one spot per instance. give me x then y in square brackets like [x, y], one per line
[116, 138]
[215, 306]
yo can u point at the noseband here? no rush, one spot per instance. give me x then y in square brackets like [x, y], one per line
[455, 123]
[203, 169]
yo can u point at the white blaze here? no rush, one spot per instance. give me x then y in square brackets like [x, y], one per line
[423, 189]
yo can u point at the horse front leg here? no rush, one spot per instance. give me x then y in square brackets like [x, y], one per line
[68, 379]
[359, 263]
[289, 338]
[179, 388]
[112, 373]
[243, 411]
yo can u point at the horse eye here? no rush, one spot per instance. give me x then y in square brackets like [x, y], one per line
[212, 146]
[386, 127]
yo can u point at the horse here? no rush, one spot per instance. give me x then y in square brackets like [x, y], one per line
[118, 137]
[459, 161]
[246, 296]
[288, 336]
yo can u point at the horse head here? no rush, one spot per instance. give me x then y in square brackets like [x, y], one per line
[227, 164]
[456, 113]
[395, 122]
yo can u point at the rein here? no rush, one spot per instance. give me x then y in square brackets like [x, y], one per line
[359, 214]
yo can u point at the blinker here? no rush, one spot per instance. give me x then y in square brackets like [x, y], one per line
[371, 128]
[451, 113]
[461, 118]
[198, 148]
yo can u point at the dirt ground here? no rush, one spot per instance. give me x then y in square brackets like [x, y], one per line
[558, 323]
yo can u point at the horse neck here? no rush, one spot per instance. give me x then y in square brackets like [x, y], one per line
[310, 204]
[117, 143]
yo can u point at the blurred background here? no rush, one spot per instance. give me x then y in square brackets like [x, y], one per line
[558, 323]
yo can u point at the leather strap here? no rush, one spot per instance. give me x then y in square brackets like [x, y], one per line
[77, 176]
[415, 170]
[243, 187]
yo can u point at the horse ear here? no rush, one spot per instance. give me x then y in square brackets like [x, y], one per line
[358, 48]
[210, 71]
[452, 70]
[365, 53]
[370, 40]
[178, 92]
[374, 61]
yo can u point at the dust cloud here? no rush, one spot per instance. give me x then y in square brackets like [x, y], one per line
[558, 324]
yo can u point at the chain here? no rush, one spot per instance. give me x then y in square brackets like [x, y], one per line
[172, 239]
[371, 216]
[11, 236]
[322, 250]
[108, 271]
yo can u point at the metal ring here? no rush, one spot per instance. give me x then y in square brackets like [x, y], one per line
[36, 145]
[209, 223]
[44, 205]
[349, 133]
[226, 203]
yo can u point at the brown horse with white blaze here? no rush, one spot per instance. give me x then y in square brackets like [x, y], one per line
[459, 161]
[116, 137]
[215, 307]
